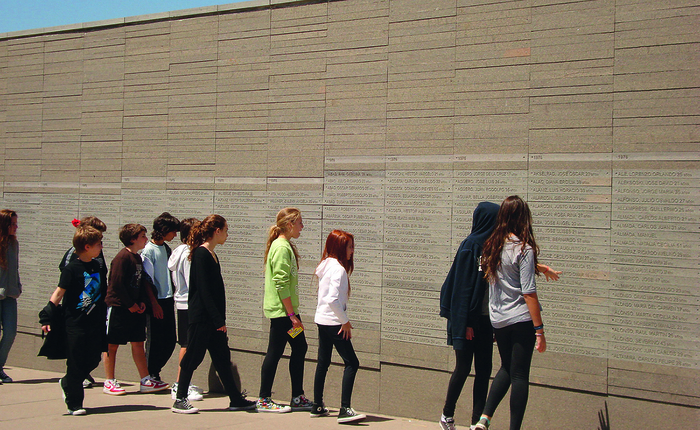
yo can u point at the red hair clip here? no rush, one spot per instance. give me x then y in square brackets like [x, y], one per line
[75, 222]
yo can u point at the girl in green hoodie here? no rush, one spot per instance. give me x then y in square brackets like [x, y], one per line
[281, 305]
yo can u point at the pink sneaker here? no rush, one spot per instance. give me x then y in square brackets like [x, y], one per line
[150, 385]
[112, 387]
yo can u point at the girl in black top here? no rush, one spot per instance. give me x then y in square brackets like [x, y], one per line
[207, 315]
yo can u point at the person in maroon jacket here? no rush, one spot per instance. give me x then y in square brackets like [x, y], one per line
[127, 292]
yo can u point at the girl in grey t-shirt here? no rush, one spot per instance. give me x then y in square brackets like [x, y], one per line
[509, 260]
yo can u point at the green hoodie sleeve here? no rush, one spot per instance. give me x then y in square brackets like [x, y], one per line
[281, 279]
[281, 270]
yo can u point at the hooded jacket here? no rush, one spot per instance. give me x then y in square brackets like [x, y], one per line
[332, 293]
[179, 265]
[463, 290]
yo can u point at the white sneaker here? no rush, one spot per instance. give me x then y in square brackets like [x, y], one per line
[193, 393]
[112, 387]
[150, 385]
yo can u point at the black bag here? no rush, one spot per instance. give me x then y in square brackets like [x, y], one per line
[54, 347]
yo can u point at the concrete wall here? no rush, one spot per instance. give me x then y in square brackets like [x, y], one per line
[391, 119]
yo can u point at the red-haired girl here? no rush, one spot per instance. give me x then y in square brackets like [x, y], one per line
[334, 328]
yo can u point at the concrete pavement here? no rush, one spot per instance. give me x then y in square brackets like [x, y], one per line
[33, 402]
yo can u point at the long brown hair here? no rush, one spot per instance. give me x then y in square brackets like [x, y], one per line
[205, 230]
[336, 247]
[513, 217]
[6, 216]
[285, 217]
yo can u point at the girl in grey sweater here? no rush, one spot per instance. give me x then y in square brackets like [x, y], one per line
[10, 285]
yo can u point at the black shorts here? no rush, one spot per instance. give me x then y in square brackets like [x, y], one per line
[183, 323]
[124, 327]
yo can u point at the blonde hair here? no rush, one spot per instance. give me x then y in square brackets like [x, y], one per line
[285, 217]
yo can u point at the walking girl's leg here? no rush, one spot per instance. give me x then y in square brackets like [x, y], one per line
[296, 362]
[523, 348]
[198, 340]
[325, 351]
[463, 364]
[275, 348]
[352, 364]
[8, 320]
[501, 383]
[483, 354]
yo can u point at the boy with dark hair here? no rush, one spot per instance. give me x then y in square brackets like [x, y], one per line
[160, 332]
[82, 290]
[128, 289]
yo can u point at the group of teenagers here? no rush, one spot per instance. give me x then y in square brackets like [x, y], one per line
[93, 311]
[489, 294]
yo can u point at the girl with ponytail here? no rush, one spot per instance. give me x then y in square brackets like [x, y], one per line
[207, 316]
[281, 305]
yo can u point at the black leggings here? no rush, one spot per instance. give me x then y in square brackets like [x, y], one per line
[327, 338]
[515, 346]
[275, 348]
[481, 348]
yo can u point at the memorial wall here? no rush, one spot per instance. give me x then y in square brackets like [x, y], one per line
[391, 120]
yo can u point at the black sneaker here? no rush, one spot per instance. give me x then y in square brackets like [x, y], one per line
[348, 415]
[183, 406]
[319, 410]
[241, 404]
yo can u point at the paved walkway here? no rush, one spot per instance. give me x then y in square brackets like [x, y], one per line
[34, 402]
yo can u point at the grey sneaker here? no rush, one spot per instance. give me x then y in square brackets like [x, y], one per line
[447, 423]
[348, 415]
[483, 424]
[4, 377]
[183, 406]
[301, 403]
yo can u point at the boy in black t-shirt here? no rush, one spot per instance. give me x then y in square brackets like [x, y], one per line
[82, 291]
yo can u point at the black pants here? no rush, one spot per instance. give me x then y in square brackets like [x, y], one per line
[84, 348]
[328, 337]
[480, 348]
[160, 337]
[203, 337]
[515, 346]
[275, 348]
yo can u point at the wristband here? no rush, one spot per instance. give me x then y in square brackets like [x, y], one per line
[539, 334]
[539, 327]
[291, 314]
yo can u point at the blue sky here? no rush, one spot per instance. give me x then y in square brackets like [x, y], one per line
[16, 15]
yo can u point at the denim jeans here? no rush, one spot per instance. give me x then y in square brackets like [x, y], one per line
[8, 324]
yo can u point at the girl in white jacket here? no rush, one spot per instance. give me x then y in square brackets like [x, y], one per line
[334, 328]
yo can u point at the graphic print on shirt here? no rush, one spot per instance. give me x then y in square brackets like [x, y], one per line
[91, 292]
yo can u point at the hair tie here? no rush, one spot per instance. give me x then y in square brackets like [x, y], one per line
[75, 222]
